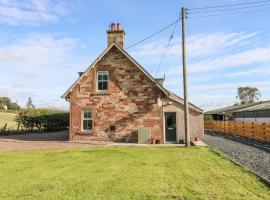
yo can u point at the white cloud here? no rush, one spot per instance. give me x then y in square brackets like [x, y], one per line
[39, 65]
[15, 12]
[207, 44]
[247, 57]
[197, 45]
[261, 71]
[228, 85]
[37, 48]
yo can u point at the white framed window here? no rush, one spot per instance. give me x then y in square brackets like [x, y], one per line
[102, 80]
[87, 120]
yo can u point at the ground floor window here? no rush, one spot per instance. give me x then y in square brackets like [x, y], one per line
[87, 120]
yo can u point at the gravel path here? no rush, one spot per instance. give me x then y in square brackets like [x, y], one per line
[43, 141]
[250, 153]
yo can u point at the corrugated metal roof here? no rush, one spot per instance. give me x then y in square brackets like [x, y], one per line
[262, 105]
[265, 105]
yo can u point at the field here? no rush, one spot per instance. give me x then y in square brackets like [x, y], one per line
[6, 117]
[126, 173]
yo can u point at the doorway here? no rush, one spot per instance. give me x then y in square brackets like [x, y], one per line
[170, 126]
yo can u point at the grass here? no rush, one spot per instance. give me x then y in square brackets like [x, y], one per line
[126, 173]
[9, 118]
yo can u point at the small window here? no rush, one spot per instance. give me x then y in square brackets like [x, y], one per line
[102, 80]
[87, 120]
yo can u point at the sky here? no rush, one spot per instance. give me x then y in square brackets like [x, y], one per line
[44, 43]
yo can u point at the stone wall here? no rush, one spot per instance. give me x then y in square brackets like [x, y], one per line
[130, 103]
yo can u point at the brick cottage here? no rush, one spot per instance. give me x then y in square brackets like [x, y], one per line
[116, 96]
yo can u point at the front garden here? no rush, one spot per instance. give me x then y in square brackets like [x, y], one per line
[126, 173]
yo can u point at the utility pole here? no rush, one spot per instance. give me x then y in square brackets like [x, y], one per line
[185, 84]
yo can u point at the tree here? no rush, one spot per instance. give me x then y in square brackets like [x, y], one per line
[29, 103]
[248, 95]
[7, 104]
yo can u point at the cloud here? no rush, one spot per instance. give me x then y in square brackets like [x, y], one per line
[33, 12]
[197, 45]
[252, 56]
[228, 85]
[261, 71]
[37, 48]
[209, 44]
[39, 65]
[3, 92]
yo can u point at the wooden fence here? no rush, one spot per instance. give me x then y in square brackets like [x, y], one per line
[258, 131]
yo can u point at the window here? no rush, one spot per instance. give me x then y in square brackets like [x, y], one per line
[102, 80]
[87, 120]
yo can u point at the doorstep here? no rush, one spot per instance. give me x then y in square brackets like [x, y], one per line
[199, 143]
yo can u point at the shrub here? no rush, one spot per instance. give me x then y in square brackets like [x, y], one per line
[43, 119]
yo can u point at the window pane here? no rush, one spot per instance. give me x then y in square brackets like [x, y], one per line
[105, 77]
[87, 125]
[105, 85]
[87, 114]
[99, 76]
[99, 85]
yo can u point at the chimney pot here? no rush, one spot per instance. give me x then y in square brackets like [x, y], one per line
[119, 26]
[112, 26]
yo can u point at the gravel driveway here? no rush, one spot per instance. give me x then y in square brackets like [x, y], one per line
[42, 141]
[250, 153]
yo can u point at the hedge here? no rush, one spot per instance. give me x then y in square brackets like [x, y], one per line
[43, 119]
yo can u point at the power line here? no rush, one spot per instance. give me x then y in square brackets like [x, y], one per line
[166, 49]
[153, 34]
[230, 13]
[228, 9]
[229, 5]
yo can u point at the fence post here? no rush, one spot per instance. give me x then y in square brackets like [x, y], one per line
[243, 129]
[18, 127]
[5, 127]
[252, 127]
[263, 133]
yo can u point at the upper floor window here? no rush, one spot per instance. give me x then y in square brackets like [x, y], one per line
[102, 80]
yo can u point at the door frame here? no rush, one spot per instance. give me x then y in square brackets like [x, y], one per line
[164, 125]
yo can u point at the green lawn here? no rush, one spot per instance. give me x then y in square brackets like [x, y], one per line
[9, 118]
[126, 173]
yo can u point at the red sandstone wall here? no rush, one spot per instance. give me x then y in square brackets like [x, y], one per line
[130, 103]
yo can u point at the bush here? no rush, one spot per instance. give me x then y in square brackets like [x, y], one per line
[43, 119]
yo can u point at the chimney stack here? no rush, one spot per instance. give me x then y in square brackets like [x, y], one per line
[116, 35]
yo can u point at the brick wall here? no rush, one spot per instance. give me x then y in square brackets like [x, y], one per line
[131, 101]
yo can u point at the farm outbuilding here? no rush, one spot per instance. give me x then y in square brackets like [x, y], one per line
[260, 112]
[254, 112]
